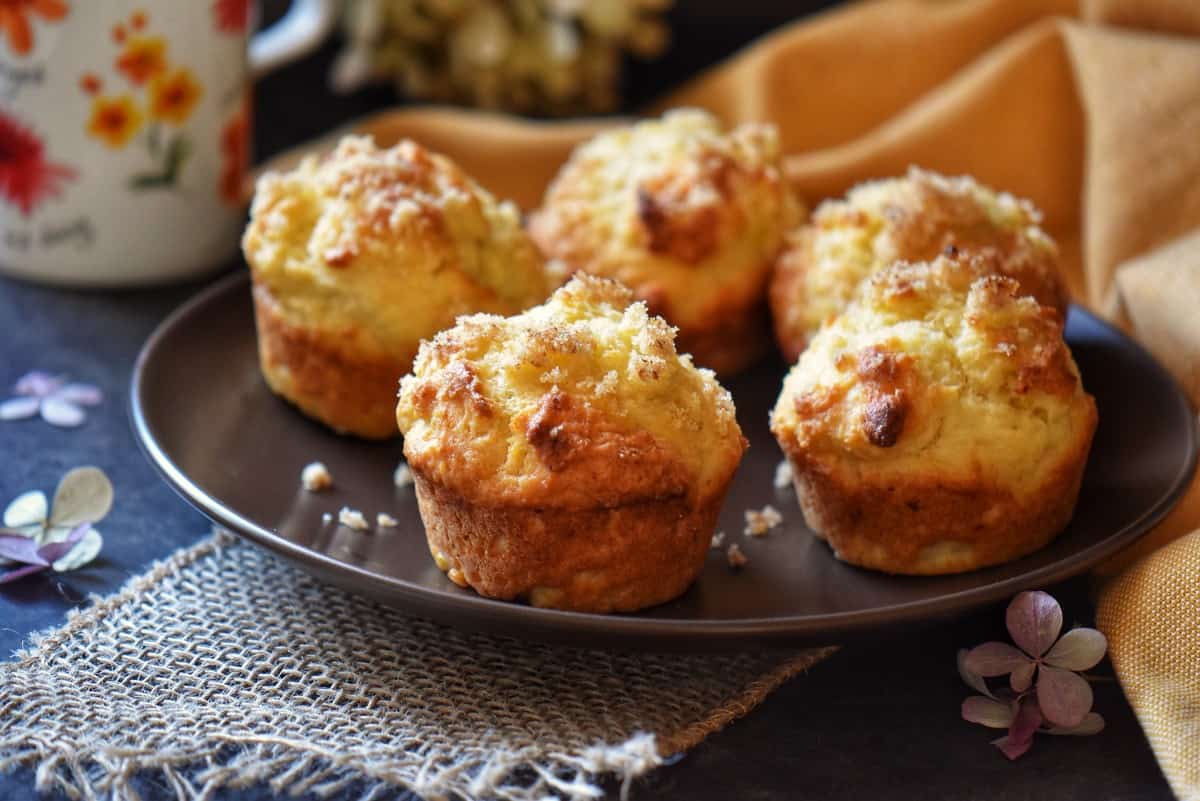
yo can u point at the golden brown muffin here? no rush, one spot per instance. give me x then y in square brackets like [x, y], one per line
[904, 219]
[688, 216]
[358, 256]
[938, 424]
[568, 455]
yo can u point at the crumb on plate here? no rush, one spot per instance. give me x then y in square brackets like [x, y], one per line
[403, 476]
[384, 520]
[327, 518]
[759, 522]
[352, 518]
[736, 558]
[718, 540]
[316, 477]
[783, 475]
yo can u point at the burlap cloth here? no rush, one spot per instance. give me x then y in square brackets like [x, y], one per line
[225, 667]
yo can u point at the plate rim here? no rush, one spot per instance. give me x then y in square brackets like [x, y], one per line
[629, 629]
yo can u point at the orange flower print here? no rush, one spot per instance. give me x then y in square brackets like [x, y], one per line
[118, 33]
[174, 95]
[138, 20]
[15, 16]
[143, 58]
[114, 120]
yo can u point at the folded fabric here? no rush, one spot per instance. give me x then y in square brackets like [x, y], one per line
[1091, 108]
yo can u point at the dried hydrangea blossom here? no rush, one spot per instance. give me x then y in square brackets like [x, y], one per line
[542, 56]
[1045, 692]
[38, 535]
[59, 401]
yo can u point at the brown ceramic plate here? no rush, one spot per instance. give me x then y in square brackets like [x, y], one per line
[208, 422]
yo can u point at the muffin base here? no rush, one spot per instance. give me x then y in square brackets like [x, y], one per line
[739, 339]
[616, 559]
[928, 527]
[351, 394]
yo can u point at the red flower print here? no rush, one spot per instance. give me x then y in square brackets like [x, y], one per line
[14, 20]
[90, 83]
[138, 20]
[26, 178]
[235, 151]
[231, 16]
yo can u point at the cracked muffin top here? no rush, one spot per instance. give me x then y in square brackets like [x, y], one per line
[941, 369]
[581, 402]
[913, 218]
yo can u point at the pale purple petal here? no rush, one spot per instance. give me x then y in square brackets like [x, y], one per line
[1092, 724]
[1079, 649]
[1065, 697]
[987, 712]
[1022, 677]
[19, 408]
[53, 551]
[1034, 620]
[20, 549]
[21, 572]
[61, 413]
[1020, 734]
[81, 394]
[37, 383]
[972, 680]
[994, 659]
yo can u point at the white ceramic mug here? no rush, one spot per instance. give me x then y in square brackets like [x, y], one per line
[124, 133]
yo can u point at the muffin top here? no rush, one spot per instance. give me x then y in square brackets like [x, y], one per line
[581, 402]
[390, 244]
[687, 215]
[937, 367]
[913, 218]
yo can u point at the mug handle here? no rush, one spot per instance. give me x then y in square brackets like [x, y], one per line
[299, 32]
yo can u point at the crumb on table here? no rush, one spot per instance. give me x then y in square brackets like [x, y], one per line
[759, 522]
[384, 520]
[352, 518]
[327, 518]
[316, 477]
[736, 558]
[718, 540]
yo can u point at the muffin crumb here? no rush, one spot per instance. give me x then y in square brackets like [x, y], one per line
[403, 476]
[783, 475]
[326, 519]
[316, 477]
[759, 522]
[384, 520]
[352, 518]
[736, 558]
[718, 540]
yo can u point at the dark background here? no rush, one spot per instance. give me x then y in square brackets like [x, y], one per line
[878, 720]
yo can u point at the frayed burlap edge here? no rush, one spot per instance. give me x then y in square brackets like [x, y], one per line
[297, 768]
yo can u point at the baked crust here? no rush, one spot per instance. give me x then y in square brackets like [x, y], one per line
[931, 523]
[938, 424]
[567, 455]
[328, 378]
[600, 559]
[363, 253]
[913, 218]
[688, 216]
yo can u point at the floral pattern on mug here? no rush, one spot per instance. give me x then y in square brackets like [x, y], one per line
[26, 177]
[231, 16]
[163, 99]
[235, 155]
[16, 18]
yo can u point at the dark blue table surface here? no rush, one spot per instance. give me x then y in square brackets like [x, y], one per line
[878, 720]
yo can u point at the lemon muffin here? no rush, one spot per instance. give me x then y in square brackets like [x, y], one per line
[568, 455]
[359, 255]
[938, 424]
[688, 216]
[904, 219]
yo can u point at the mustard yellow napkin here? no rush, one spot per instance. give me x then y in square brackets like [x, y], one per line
[1089, 107]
